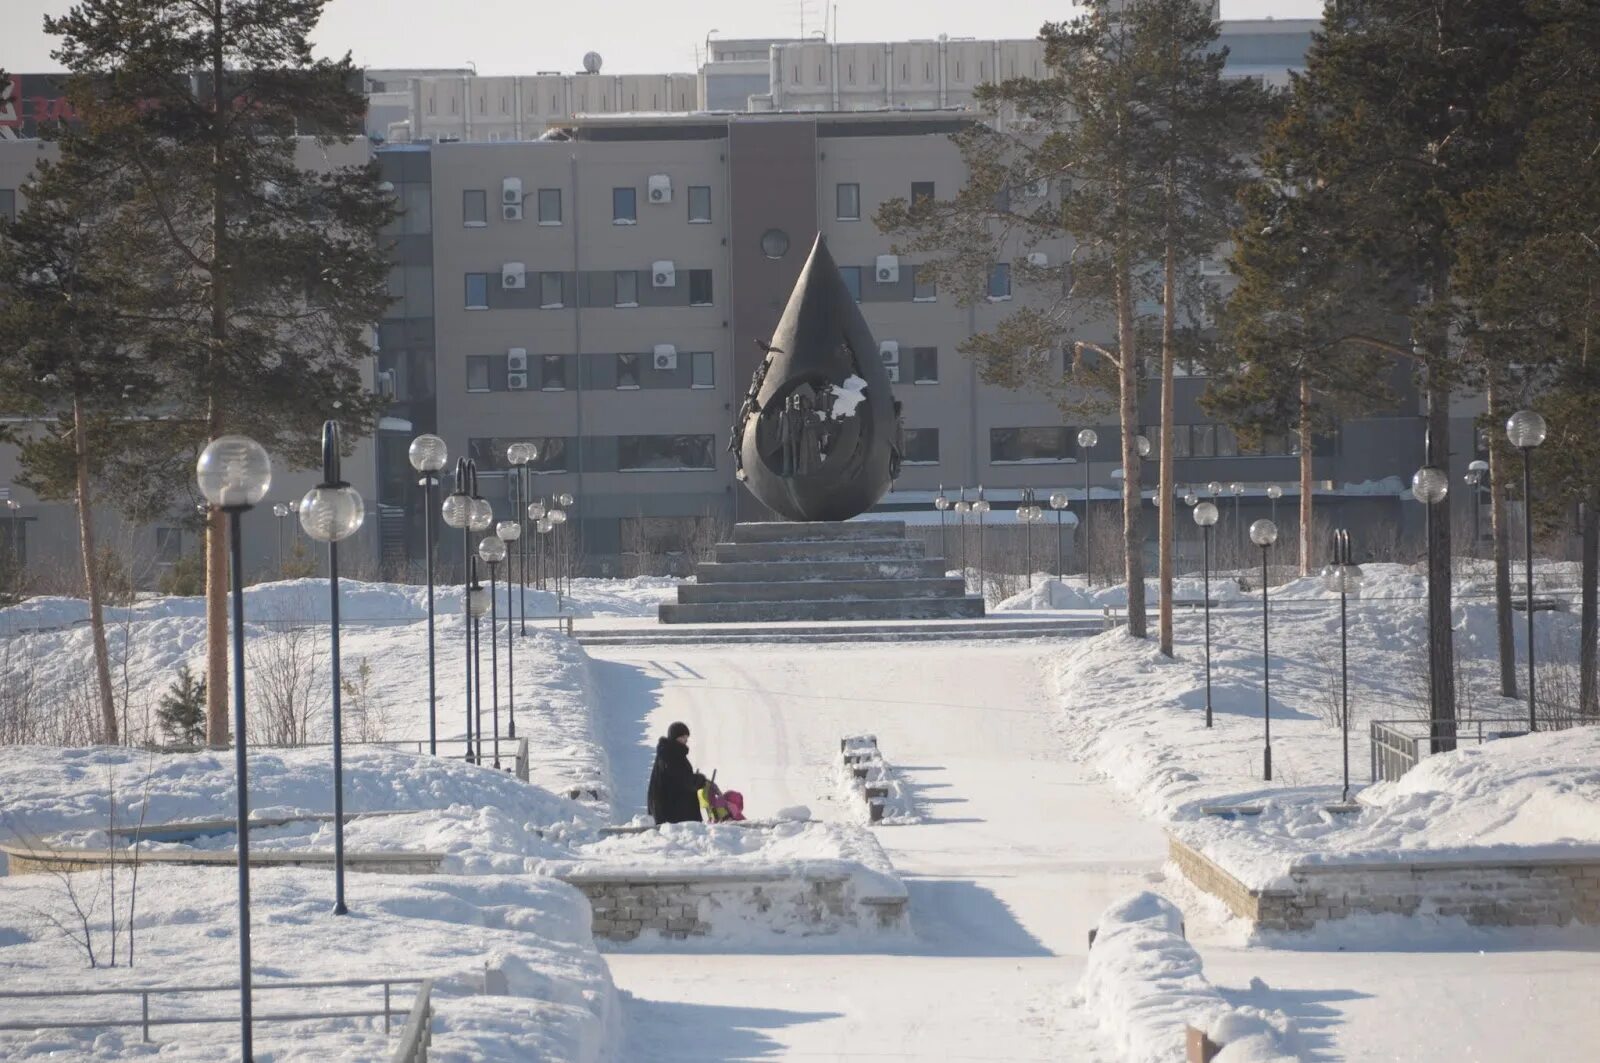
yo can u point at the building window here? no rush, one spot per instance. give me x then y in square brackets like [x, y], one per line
[852, 280]
[624, 206]
[923, 287]
[921, 192]
[699, 204]
[474, 207]
[1000, 281]
[477, 291]
[651, 453]
[549, 206]
[847, 199]
[1019, 446]
[477, 372]
[627, 372]
[550, 293]
[1227, 442]
[924, 365]
[169, 545]
[1180, 441]
[489, 454]
[922, 446]
[627, 287]
[702, 369]
[700, 287]
[1204, 441]
[552, 373]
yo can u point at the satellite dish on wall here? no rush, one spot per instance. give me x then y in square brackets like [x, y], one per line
[591, 63]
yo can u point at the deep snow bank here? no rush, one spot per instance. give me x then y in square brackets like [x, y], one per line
[1144, 985]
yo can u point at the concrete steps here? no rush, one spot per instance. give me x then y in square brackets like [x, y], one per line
[889, 631]
[825, 590]
[782, 572]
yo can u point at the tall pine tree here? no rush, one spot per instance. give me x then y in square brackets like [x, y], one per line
[1144, 145]
[261, 277]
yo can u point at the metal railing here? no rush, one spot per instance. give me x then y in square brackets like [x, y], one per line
[417, 1036]
[1397, 745]
[145, 1020]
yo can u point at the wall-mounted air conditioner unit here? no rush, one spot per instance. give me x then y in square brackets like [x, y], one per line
[888, 269]
[511, 191]
[1038, 259]
[666, 357]
[517, 360]
[659, 188]
[511, 211]
[516, 381]
[513, 275]
[894, 373]
[889, 351]
[662, 275]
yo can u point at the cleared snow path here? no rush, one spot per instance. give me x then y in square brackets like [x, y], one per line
[1019, 852]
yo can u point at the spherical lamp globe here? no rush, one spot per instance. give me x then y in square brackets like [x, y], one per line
[1205, 514]
[1430, 485]
[1088, 438]
[428, 453]
[332, 514]
[233, 472]
[1263, 533]
[1525, 429]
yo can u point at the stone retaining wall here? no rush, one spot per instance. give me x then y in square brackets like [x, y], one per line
[626, 906]
[27, 860]
[1553, 892]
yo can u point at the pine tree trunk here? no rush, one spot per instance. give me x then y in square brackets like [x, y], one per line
[1441, 655]
[91, 576]
[216, 521]
[1589, 624]
[1165, 499]
[1500, 529]
[1308, 557]
[1132, 542]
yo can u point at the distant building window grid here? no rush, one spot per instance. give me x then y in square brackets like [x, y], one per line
[924, 365]
[922, 446]
[549, 206]
[624, 206]
[659, 453]
[477, 291]
[1030, 445]
[627, 288]
[474, 207]
[699, 204]
[700, 291]
[847, 202]
[477, 372]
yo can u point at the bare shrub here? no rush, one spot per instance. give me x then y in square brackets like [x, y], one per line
[366, 716]
[289, 692]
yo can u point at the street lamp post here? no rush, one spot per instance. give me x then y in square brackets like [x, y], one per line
[941, 503]
[492, 551]
[1526, 430]
[564, 561]
[329, 512]
[1088, 438]
[457, 513]
[536, 513]
[521, 456]
[1264, 533]
[1236, 490]
[962, 508]
[980, 507]
[1476, 472]
[1058, 502]
[510, 531]
[1430, 486]
[1205, 515]
[1274, 492]
[428, 454]
[281, 511]
[1029, 514]
[558, 517]
[234, 473]
[1344, 576]
[481, 519]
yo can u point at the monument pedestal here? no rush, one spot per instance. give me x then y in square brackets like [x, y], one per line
[822, 570]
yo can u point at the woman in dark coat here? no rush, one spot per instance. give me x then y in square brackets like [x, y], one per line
[674, 784]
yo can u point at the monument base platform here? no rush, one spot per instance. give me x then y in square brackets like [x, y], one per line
[840, 570]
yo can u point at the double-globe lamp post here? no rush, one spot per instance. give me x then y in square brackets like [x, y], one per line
[980, 507]
[510, 531]
[492, 551]
[1344, 576]
[521, 456]
[942, 503]
[1430, 486]
[1205, 515]
[330, 512]
[1029, 514]
[1088, 439]
[1264, 533]
[962, 508]
[1525, 430]
[463, 509]
[428, 455]
[1477, 471]
[234, 473]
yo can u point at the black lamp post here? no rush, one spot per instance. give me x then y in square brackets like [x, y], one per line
[942, 503]
[962, 508]
[521, 455]
[537, 514]
[1264, 533]
[558, 517]
[1028, 514]
[1205, 515]
[980, 507]
[1058, 502]
[428, 455]
[234, 473]
[457, 512]
[1430, 486]
[1087, 439]
[478, 602]
[492, 550]
[1477, 471]
[329, 512]
[1237, 490]
[510, 531]
[1526, 430]
[1344, 576]
[281, 511]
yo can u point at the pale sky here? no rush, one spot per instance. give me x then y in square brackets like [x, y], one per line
[633, 36]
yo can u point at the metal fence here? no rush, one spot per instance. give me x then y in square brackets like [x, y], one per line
[417, 1037]
[1397, 745]
[146, 1020]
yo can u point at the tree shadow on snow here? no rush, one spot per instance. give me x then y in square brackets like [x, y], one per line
[1310, 1009]
[917, 793]
[706, 1033]
[958, 917]
[628, 694]
[1234, 699]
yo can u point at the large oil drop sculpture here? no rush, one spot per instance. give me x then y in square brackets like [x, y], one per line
[819, 435]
